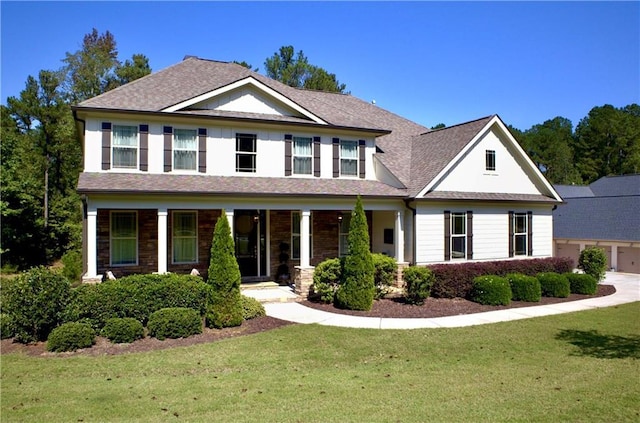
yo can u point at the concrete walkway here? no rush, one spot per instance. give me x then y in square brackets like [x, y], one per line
[627, 291]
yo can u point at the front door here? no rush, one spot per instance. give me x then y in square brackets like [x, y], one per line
[249, 237]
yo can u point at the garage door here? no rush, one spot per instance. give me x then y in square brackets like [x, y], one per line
[568, 250]
[607, 252]
[629, 259]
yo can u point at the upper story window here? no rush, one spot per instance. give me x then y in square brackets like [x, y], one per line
[520, 231]
[124, 238]
[125, 147]
[302, 155]
[490, 160]
[458, 235]
[185, 149]
[245, 153]
[348, 158]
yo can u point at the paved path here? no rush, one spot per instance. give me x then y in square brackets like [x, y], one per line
[627, 291]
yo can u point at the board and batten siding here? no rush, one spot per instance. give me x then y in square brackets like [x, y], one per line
[490, 231]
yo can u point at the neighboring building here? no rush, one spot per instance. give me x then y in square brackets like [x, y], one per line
[166, 154]
[604, 214]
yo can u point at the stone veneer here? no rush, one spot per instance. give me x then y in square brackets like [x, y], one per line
[303, 279]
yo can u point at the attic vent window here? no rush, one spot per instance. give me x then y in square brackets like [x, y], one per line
[491, 160]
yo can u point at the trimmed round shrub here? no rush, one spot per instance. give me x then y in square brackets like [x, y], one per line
[593, 261]
[121, 330]
[491, 290]
[581, 283]
[385, 273]
[251, 308]
[524, 288]
[418, 282]
[326, 279]
[176, 322]
[6, 326]
[554, 285]
[70, 337]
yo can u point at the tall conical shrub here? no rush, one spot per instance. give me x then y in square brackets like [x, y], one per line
[357, 288]
[225, 309]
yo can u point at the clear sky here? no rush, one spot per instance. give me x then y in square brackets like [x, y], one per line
[431, 62]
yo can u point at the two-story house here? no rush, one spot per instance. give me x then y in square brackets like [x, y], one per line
[165, 155]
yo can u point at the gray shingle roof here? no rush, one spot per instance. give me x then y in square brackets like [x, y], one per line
[573, 191]
[616, 185]
[487, 196]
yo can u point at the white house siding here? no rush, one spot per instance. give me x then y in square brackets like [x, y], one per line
[246, 99]
[470, 174]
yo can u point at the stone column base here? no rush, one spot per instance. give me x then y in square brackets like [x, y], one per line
[92, 279]
[399, 277]
[303, 279]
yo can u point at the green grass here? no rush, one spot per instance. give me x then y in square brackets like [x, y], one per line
[573, 367]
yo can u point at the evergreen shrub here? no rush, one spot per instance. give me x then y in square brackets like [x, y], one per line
[593, 261]
[121, 330]
[491, 290]
[385, 273]
[6, 326]
[418, 282]
[326, 279]
[581, 283]
[524, 288]
[554, 285]
[252, 308]
[176, 322]
[72, 265]
[71, 336]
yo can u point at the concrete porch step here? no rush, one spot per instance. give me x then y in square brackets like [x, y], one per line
[258, 285]
[271, 294]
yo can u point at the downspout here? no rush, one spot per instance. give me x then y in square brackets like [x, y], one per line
[413, 236]
[80, 134]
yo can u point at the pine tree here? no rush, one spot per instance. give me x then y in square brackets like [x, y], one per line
[224, 278]
[357, 288]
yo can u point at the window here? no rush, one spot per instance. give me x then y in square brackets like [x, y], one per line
[345, 223]
[185, 237]
[302, 155]
[295, 235]
[125, 147]
[348, 158]
[245, 152]
[490, 159]
[124, 238]
[458, 235]
[185, 149]
[520, 240]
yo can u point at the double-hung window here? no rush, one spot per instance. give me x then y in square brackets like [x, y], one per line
[458, 235]
[124, 238]
[185, 237]
[246, 153]
[343, 236]
[520, 232]
[348, 158]
[302, 155]
[185, 149]
[490, 160]
[295, 235]
[125, 147]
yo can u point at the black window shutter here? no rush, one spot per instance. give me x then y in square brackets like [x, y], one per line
[362, 150]
[336, 157]
[168, 135]
[447, 235]
[511, 252]
[530, 233]
[469, 235]
[106, 145]
[202, 150]
[316, 156]
[287, 154]
[144, 148]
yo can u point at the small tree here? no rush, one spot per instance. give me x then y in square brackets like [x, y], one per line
[594, 262]
[224, 277]
[357, 287]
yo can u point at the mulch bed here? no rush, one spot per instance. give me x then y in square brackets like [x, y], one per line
[433, 307]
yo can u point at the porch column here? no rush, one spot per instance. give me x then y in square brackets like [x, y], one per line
[399, 241]
[229, 214]
[162, 241]
[92, 250]
[614, 257]
[305, 248]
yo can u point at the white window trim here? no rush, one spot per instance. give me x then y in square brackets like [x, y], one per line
[173, 237]
[111, 238]
[516, 234]
[463, 235]
[113, 147]
[357, 158]
[174, 149]
[294, 155]
[254, 153]
[297, 234]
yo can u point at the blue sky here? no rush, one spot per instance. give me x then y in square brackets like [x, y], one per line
[431, 62]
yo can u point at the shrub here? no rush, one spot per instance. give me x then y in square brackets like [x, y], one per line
[357, 289]
[491, 290]
[326, 279]
[524, 288]
[418, 282]
[554, 285]
[456, 280]
[122, 330]
[251, 308]
[72, 262]
[37, 302]
[385, 273]
[580, 283]
[594, 262]
[224, 277]
[6, 326]
[70, 337]
[177, 322]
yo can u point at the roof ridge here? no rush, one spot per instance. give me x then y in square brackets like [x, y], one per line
[458, 124]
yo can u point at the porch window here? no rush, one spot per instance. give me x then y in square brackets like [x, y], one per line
[185, 237]
[302, 155]
[458, 235]
[124, 238]
[295, 235]
[520, 232]
[344, 234]
[185, 149]
[246, 153]
[125, 147]
[348, 158]
[490, 160]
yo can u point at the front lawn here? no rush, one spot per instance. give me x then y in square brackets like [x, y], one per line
[572, 367]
